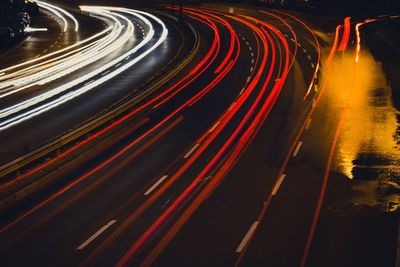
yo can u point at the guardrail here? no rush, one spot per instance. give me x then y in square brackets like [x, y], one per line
[58, 143]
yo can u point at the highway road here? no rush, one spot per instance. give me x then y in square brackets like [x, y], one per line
[232, 162]
[80, 68]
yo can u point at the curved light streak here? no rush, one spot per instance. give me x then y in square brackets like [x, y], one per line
[40, 104]
[58, 11]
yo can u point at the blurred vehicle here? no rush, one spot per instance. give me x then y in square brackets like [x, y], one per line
[305, 5]
[32, 8]
[18, 29]
[6, 35]
[23, 17]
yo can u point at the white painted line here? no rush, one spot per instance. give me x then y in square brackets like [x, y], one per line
[312, 65]
[252, 61]
[88, 82]
[309, 57]
[252, 54]
[250, 48]
[247, 237]
[296, 151]
[105, 73]
[278, 184]
[248, 79]
[151, 189]
[95, 235]
[299, 44]
[216, 124]
[293, 40]
[119, 64]
[308, 124]
[304, 50]
[251, 69]
[286, 35]
[241, 91]
[191, 151]
[247, 43]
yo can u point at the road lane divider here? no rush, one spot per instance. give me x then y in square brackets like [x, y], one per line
[278, 184]
[191, 151]
[247, 237]
[151, 189]
[296, 151]
[95, 235]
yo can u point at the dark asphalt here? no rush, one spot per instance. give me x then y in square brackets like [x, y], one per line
[345, 235]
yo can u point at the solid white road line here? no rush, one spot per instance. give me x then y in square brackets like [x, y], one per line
[191, 151]
[151, 189]
[296, 151]
[93, 237]
[247, 237]
[278, 184]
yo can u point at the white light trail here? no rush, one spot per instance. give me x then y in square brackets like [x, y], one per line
[48, 68]
[59, 11]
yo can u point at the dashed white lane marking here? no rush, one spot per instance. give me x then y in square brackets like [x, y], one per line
[312, 65]
[309, 57]
[296, 151]
[89, 82]
[278, 184]
[304, 50]
[191, 151]
[299, 44]
[151, 189]
[247, 43]
[247, 237]
[105, 73]
[248, 79]
[252, 61]
[293, 40]
[95, 235]
[252, 54]
[241, 91]
[250, 48]
[216, 124]
[251, 69]
[308, 124]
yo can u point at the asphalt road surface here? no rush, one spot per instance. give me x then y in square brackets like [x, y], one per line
[231, 162]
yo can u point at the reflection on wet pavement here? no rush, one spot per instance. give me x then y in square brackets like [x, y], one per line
[368, 150]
